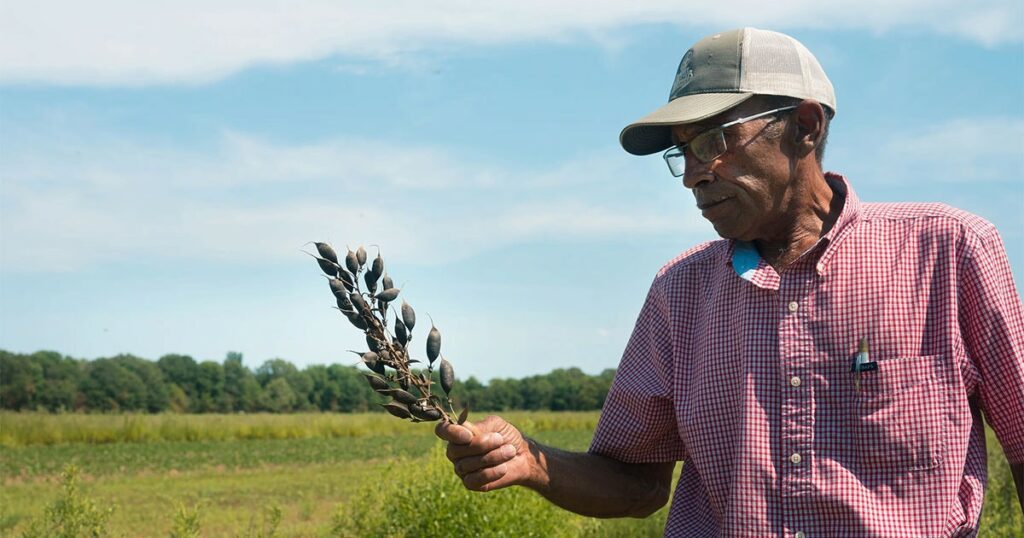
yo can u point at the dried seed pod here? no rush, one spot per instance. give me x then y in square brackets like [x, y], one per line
[326, 251]
[387, 283]
[408, 316]
[403, 396]
[352, 263]
[373, 362]
[388, 295]
[346, 279]
[424, 413]
[327, 266]
[378, 266]
[433, 344]
[343, 303]
[360, 303]
[372, 342]
[447, 376]
[403, 382]
[400, 332]
[355, 319]
[361, 256]
[338, 287]
[371, 281]
[463, 415]
[397, 409]
[375, 382]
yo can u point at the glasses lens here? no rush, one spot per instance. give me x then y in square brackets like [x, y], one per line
[707, 146]
[676, 160]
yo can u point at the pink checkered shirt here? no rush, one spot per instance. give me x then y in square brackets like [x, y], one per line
[745, 374]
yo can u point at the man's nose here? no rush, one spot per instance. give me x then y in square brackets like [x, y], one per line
[697, 172]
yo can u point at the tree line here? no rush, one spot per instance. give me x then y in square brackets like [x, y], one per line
[49, 381]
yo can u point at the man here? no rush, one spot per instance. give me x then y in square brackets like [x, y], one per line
[821, 371]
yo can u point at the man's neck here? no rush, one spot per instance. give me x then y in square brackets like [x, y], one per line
[815, 208]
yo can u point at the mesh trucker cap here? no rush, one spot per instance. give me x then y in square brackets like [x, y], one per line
[723, 70]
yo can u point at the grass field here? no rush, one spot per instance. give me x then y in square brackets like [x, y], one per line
[306, 475]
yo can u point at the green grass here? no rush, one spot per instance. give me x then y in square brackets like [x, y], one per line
[320, 471]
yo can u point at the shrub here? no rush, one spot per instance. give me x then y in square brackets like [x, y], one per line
[72, 514]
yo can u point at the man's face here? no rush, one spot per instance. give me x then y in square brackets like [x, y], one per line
[743, 191]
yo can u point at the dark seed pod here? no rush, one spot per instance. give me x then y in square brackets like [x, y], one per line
[388, 295]
[397, 409]
[338, 287]
[355, 319]
[346, 279]
[359, 302]
[328, 267]
[408, 316]
[387, 283]
[343, 303]
[361, 256]
[403, 396]
[373, 362]
[372, 342]
[378, 266]
[351, 262]
[326, 251]
[400, 333]
[447, 376]
[424, 413]
[371, 281]
[403, 382]
[463, 415]
[433, 344]
[376, 383]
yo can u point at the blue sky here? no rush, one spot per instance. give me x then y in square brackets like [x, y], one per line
[162, 167]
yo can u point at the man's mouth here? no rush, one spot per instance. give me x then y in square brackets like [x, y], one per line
[705, 204]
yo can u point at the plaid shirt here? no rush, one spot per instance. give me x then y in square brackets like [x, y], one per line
[745, 373]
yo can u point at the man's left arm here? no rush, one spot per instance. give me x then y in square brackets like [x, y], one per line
[992, 324]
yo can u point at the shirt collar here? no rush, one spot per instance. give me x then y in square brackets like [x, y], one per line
[749, 265]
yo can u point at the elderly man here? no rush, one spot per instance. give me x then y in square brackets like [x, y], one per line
[821, 371]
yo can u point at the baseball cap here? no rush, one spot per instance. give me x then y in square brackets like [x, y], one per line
[723, 70]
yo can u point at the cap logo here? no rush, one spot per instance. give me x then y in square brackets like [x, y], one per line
[683, 75]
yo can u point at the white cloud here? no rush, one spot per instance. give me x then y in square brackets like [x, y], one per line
[97, 199]
[187, 42]
[968, 150]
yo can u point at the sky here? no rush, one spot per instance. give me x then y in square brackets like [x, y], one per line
[162, 167]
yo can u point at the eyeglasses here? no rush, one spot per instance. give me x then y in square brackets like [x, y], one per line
[708, 145]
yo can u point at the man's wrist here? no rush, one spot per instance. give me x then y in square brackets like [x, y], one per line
[538, 478]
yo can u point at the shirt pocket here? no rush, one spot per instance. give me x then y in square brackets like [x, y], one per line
[900, 415]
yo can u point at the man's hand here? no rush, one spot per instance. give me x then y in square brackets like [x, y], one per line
[488, 455]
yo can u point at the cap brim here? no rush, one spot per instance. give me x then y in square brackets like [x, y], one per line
[652, 132]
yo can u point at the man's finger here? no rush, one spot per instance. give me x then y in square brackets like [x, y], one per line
[486, 479]
[495, 457]
[454, 433]
[480, 445]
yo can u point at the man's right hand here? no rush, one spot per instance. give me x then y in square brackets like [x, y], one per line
[488, 455]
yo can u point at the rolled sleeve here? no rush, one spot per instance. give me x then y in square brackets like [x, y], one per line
[992, 323]
[638, 421]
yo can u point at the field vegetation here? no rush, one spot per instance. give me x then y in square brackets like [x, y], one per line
[298, 475]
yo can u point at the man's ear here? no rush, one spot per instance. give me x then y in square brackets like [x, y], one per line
[810, 126]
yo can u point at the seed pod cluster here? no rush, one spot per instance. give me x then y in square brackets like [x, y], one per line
[369, 310]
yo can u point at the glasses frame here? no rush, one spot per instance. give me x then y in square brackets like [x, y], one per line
[677, 154]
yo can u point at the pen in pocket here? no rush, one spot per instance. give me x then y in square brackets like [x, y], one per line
[862, 362]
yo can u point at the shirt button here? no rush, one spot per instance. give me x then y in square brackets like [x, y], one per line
[793, 306]
[795, 458]
[794, 381]
[799, 534]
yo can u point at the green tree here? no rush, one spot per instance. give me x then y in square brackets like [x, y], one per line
[20, 379]
[209, 386]
[181, 370]
[278, 396]
[152, 378]
[108, 386]
[61, 376]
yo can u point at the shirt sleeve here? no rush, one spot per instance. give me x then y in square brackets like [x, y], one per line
[992, 324]
[638, 421]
